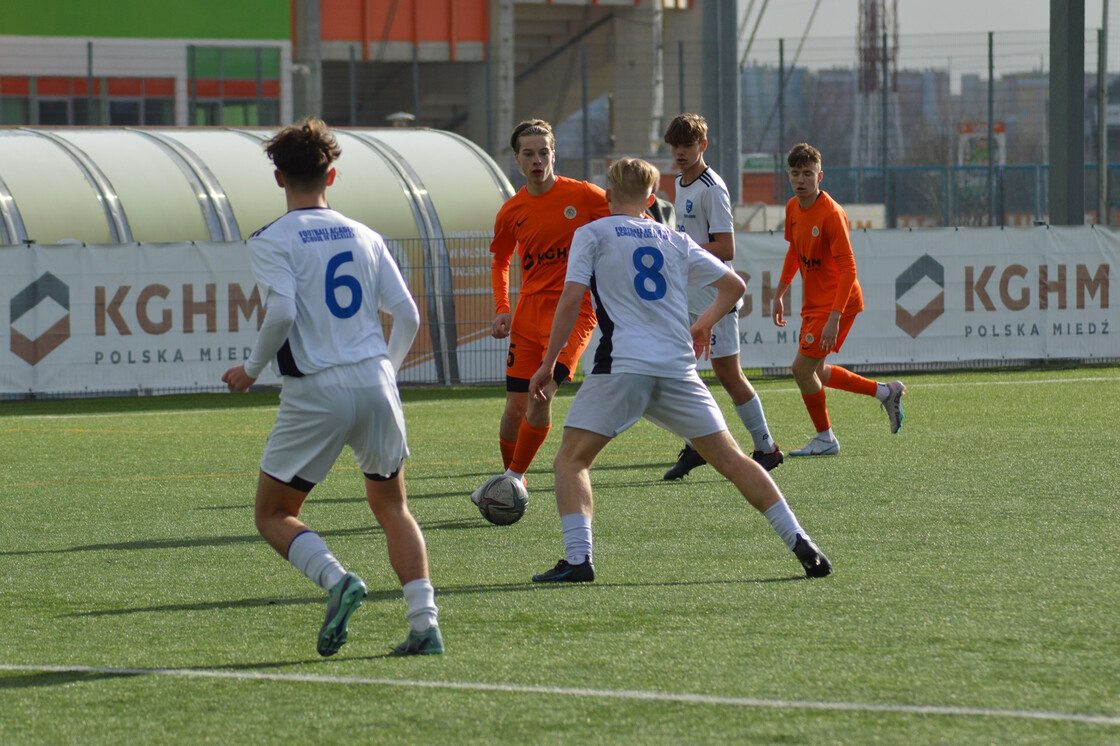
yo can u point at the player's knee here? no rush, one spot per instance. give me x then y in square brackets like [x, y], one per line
[804, 367]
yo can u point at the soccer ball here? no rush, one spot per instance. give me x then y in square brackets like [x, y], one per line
[502, 500]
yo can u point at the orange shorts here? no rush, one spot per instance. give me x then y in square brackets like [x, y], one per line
[528, 339]
[809, 343]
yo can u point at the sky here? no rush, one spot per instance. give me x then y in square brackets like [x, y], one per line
[934, 34]
[839, 17]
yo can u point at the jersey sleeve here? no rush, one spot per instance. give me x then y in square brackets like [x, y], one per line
[720, 219]
[789, 266]
[501, 247]
[392, 290]
[597, 201]
[703, 266]
[271, 267]
[840, 246]
[581, 256]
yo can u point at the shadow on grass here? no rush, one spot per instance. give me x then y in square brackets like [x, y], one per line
[58, 678]
[395, 594]
[221, 541]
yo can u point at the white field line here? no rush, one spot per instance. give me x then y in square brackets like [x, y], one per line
[618, 694]
[166, 412]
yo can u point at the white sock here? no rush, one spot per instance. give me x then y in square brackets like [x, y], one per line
[309, 554]
[420, 597]
[515, 475]
[827, 435]
[784, 522]
[882, 391]
[750, 412]
[577, 537]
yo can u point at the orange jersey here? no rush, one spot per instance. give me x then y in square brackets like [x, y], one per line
[820, 248]
[541, 228]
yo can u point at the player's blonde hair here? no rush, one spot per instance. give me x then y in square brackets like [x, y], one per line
[531, 127]
[632, 179]
[304, 152]
[803, 154]
[686, 129]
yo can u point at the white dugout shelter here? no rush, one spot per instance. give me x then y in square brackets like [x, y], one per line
[432, 193]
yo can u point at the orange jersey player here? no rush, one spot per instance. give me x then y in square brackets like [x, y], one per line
[537, 223]
[821, 250]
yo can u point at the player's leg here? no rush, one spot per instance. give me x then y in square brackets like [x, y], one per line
[689, 458]
[578, 450]
[836, 377]
[756, 485]
[533, 432]
[807, 369]
[538, 416]
[303, 445]
[686, 407]
[408, 556]
[524, 349]
[748, 406]
[379, 440]
[277, 510]
[527, 347]
[605, 406]
[512, 417]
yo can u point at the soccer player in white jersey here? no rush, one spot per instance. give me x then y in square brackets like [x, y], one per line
[703, 209]
[639, 273]
[324, 278]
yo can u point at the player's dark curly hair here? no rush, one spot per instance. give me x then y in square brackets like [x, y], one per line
[304, 152]
[531, 127]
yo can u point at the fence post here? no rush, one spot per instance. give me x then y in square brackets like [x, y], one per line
[583, 112]
[1102, 118]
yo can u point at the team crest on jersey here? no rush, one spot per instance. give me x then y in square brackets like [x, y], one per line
[809, 339]
[570, 212]
[816, 232]
[688, 206]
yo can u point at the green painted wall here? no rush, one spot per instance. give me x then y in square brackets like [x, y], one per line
[148, 19]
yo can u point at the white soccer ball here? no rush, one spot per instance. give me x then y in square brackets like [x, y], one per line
[502, 500]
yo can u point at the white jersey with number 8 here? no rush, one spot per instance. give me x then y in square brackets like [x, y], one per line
[639, 273]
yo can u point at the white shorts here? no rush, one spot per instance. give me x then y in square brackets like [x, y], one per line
[725, 335]
[608, 404]
[356, 405]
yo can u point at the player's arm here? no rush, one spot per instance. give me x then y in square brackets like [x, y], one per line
[395, 299]
[501, 249]
[279, 315]
[729, 289]
[841, 249]
[722, 245]
[563, 321]
[789, 269]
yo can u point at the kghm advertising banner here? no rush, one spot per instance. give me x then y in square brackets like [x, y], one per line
[138, 318]
[126, 318]
[945, 296]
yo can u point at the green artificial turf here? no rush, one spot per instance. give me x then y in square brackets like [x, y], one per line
[976, 597]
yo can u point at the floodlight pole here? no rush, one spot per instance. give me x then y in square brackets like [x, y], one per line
[1066, 195]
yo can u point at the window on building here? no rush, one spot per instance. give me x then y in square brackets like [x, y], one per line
[14, 110]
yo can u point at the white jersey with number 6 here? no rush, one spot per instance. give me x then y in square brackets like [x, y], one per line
[639, 273]
[339, 272]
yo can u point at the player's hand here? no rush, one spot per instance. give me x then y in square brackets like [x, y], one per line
[500, 328]
[779, 311]
[829, 333]
[539, 382]
[237, 379]
[701, 341]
